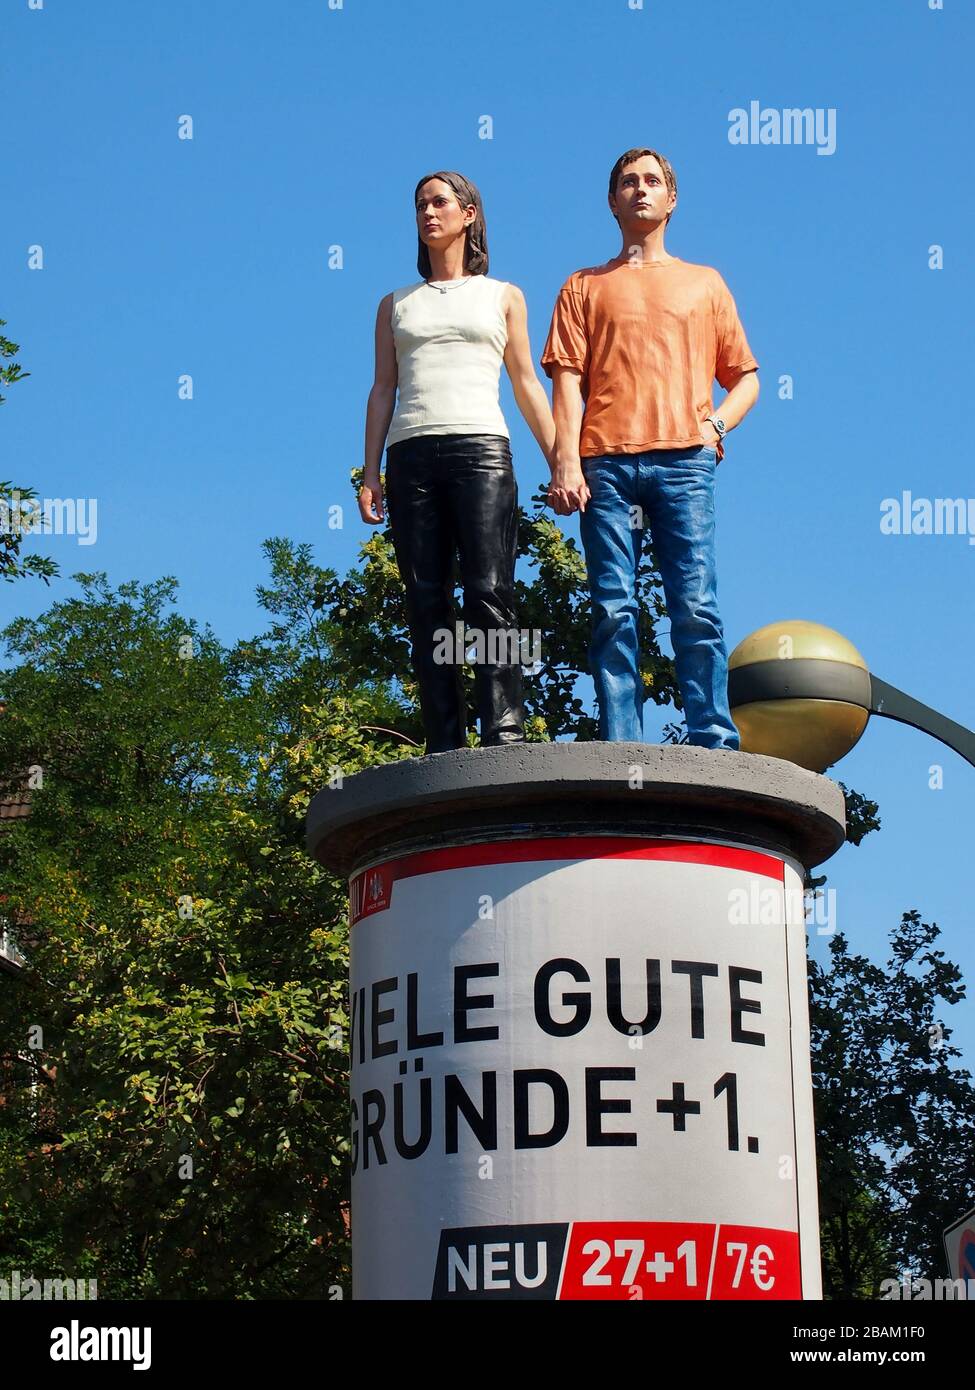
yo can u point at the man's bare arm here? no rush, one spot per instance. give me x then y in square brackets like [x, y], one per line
[736, 404]
[567, 491]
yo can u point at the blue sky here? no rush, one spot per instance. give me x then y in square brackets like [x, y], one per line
[311, 126]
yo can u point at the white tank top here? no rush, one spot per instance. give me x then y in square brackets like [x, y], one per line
[449, 349]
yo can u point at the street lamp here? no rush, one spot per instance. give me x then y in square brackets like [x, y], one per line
[799, 690]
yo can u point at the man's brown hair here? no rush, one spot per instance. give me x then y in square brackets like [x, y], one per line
[631, 157]
[475, 243]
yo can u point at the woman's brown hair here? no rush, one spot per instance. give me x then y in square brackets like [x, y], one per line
[475, 246]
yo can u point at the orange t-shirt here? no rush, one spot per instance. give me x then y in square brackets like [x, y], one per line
[649, 340]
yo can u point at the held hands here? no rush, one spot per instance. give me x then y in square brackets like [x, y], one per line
[567, 490]
[371, 501]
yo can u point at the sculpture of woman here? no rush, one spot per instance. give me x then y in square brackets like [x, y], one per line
[450, 484]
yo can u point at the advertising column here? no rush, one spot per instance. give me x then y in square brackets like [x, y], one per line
[580, 1068]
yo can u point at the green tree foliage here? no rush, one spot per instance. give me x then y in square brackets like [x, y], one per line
[17, 502]
[186, 965]
[895, 1121]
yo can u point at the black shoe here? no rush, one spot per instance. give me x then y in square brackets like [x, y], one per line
[504, 736]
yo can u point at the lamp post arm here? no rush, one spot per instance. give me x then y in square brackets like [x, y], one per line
[892, 703]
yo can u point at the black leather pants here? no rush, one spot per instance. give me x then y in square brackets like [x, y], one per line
[453, 494]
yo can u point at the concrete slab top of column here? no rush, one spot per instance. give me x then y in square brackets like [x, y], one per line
[575, 788]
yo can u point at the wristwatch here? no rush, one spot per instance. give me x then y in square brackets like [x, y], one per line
[718, 424]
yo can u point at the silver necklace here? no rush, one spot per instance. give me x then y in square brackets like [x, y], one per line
[451, 285]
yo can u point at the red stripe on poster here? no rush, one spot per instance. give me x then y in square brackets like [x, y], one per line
[371, 890]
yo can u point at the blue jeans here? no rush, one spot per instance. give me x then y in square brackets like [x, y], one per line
[672, 492]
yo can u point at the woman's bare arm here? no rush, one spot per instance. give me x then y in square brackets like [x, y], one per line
[379, 412]
[530, 394]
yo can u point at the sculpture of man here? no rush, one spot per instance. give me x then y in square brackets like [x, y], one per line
[633, 349]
